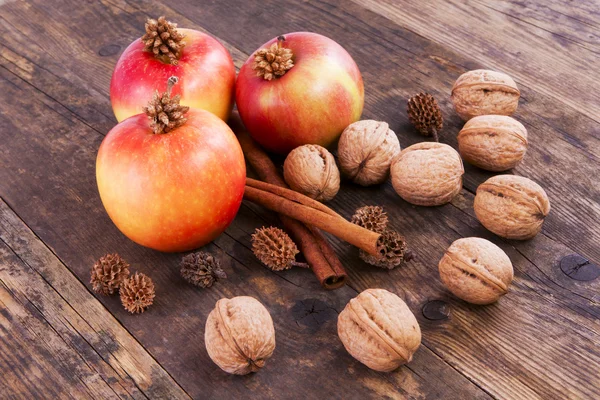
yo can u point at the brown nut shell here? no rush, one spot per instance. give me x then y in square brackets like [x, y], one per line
[493, 142]
[239, 335]
[311, 170]
[379, 330]
[511, 206]
[427, 173]
[476, 270]
[366, 150]
[484, 92]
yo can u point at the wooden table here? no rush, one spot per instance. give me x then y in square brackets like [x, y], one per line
[59, 340]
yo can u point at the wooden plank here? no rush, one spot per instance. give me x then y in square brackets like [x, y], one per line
[545, 59]
[56, 340]
[430, 230]
[67, 214]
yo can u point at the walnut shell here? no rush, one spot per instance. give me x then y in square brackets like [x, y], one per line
[379, 330]
[484, 92]
[511, 206]
[311, 170]
[239, 335]
[476, 270]
[427, 173]
[366, 150]
[493, 142]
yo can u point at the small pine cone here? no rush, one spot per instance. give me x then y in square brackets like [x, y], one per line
[201, 269]
[372, 218]
[274, 61]
[425, 114]
[166, 113]
[108, 273]
[163, 40]
[274, 248]
[137, 293]
[392, 251]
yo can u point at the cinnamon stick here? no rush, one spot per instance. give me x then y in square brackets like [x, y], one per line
[317, 251]
[328, 221]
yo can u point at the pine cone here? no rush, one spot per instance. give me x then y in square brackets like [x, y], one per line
[137, 293]
[425, 114]
[201, 269]
[274, 248]
[165, 112]
[163, 40]
[274, 61]
[108, 273]
[392, 251]
[372, 218]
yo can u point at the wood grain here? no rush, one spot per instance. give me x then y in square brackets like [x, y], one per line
[56, 340]
[60, 77]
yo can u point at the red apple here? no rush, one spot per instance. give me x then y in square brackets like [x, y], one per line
[312, 102]
[174, 191]
[205, 70]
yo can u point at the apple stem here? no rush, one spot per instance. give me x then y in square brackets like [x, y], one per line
[280, 40]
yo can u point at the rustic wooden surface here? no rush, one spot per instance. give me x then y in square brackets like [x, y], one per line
[57, 339]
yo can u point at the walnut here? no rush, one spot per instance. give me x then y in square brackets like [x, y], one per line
[239, 335]
[427, 174]
[484, 92]
[311, 170]
[493, 142]
[476, 270]
[365, 151]
[511, 206]
[379, 330]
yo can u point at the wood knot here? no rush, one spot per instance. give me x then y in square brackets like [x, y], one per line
[436, 310]
[579, 268]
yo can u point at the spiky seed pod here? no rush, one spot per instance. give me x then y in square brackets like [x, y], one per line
[425, 114]
[274, 248]
[274, 61]
[201, 269]
[392, 251]
[163, 40]
[372, 218]
[108, 273]
[137, 293]
[166, 113]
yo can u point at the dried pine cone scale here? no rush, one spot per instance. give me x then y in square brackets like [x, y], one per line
[108, 273]
[425, 114]
[201, 269]
[137, 293]
[163, 40]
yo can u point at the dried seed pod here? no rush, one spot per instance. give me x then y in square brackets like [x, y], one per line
[493, 142]
[273, 62]
[476, 270]
[108, 273]
[311, 170]
[379, 330]
[239, 335]
[511, 206]
[392, 250]
[163, 40]
[484, 92]
[201, 269]
[275, 249]
[427, 174]
[137, 293]
[165, 112]
[425, 114]
[372, 218]
[366, 150]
